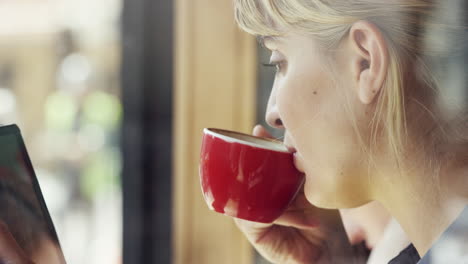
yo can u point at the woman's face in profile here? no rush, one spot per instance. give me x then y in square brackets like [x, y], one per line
[311, 102]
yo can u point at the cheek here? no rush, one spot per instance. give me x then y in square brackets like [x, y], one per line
[313, 111]
[301, 97]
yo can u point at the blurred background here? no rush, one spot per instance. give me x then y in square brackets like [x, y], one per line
[60, 82]
[112, 96]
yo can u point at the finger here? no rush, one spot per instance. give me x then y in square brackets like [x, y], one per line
[310, 218]
[298, 219]
[10, 251]
[246, 224]
[300, 214]
[251, 229]
[260, 131]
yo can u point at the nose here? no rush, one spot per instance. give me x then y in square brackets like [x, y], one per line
[273, 117]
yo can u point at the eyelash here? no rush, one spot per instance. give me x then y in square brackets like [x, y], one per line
[277, 65]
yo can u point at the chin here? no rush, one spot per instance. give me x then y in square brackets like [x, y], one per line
[320, 197]
[331, 197]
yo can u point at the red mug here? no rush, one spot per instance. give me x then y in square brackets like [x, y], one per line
[247, 177]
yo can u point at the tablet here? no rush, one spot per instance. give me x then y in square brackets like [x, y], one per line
[23, 211]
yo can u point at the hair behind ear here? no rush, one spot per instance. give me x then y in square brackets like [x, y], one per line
[390, 114]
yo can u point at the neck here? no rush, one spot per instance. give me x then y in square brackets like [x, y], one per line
[424, 217]
[432, 189]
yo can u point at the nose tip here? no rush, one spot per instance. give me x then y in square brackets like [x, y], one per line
[278, 122]
[273, 119]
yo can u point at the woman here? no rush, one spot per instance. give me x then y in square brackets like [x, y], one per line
[359, 103]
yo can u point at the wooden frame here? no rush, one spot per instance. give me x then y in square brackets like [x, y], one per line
[215, 80]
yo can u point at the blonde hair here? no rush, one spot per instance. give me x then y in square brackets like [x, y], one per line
[402, 23]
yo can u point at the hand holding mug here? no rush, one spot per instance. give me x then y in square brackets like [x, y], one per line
[301, 233]
[247, 177]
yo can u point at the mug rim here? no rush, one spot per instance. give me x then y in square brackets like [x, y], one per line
[216, 132]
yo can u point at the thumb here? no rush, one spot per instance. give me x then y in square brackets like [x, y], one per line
[260, 131]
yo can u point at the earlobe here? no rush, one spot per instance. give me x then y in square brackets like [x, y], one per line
[370, 60]
[366, 93]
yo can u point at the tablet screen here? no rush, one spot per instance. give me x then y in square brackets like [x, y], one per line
[22, 208]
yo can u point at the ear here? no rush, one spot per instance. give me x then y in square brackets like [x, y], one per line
[369, 59]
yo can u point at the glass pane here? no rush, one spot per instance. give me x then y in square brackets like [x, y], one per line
[59, 80]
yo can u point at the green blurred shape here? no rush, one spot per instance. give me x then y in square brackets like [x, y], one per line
[60, 111]
[100, 172]
[102, 109]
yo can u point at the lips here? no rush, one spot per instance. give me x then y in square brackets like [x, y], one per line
[297, 159]
[298, 162]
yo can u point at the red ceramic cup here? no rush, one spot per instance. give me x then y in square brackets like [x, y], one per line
[247, 177]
